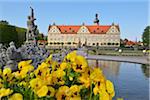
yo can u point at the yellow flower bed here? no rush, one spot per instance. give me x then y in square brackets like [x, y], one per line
[72, 79]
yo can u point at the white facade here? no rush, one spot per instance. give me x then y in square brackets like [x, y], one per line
[94, 35]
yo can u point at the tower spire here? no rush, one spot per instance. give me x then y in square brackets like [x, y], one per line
[96, 21]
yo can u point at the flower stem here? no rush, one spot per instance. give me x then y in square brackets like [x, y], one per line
[90, 92]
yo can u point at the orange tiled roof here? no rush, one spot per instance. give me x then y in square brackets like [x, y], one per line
[69, 28]
[94, 29]
[130, 43]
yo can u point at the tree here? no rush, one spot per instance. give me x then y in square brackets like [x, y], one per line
[21, 35]
[146, 36]
[7, 34]
[10, 33]
[4, 22]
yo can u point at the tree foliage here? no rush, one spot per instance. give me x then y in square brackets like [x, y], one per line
[10, 33]
[146, 36]
[4, 22]
[21, 35]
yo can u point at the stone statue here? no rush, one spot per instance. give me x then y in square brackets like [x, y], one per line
[32, 30]
[1, 46]
[3, 57]
[11, 49]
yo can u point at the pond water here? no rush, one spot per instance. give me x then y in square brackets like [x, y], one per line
[131, 80]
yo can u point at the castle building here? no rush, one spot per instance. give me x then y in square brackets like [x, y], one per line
[89, 35]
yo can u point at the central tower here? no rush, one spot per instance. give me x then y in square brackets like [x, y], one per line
[96, 21]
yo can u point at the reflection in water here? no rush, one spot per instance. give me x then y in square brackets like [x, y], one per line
[131, 80]
[145, 70]
[109, 67]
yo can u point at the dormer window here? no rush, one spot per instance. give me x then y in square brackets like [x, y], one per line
[70, 28]
[97, 28]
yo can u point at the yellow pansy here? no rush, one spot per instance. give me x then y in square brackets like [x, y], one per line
[23, 73]
[73, 98]
[5, 92]
[42, 91]
[96, 90]
[36, 84]
[16, 96]
[73, 92]
[23, 64]
[71, 57]
[99, 87]
[55, 66]
[62, 93]
[104, 96]
[110, 88]
[63, 65]
[80, 64]
[7, 72]
[58, 77]
[42, 71]
[51, 91]
[28, 68]
[102, 87]
[88, 71]
[85, 80]
[49, 59]
[97, 75]
[48, 79]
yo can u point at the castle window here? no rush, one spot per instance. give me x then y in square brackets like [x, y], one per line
[108, 43]
[69, 43]
[117, 43]
[97, 44]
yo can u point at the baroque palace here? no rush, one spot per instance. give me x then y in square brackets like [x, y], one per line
[84, 35]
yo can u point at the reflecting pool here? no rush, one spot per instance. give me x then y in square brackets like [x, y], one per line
[131, 80]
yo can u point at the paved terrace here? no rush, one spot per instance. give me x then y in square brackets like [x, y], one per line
[131, 59]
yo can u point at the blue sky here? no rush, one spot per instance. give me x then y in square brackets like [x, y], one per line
[132, 16]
